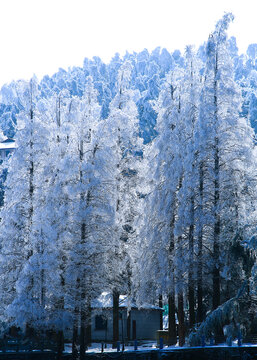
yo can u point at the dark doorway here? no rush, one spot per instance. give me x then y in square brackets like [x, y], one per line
[128, 325]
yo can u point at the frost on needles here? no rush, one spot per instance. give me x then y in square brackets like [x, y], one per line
[135, 177]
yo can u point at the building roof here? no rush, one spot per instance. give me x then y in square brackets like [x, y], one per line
[105, 301]
[8, 144]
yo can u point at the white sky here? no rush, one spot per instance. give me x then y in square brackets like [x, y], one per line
[39, 36]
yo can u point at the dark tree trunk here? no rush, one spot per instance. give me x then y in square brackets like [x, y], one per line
[161, 317]
[172, 320]
[31, 187]
[200, 314]
[85, 328]
[60, 305]
[191, 301]
[75, 345]
[115, 318]
[88, 333]
[172, 335]
[31, 169]
[29, 331]
[75, 354]
[216, 270]
[191, 289]
[60, 344]
[60, 335]
[82, 299]
[82, 328]
[181, 319]
[216, 237]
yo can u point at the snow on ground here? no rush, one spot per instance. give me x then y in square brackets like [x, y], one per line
[97, 347]
[149, 345]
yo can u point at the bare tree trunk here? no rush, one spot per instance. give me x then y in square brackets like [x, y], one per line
[179, 279]
[29, 328]
[75, 354]
[75, 345]
[216, 269]
[216, 237]
[172, 320]
[171, 296]
[88, 324]
[60, 344]
[82, 326]
[60, 335]
[161, 315]
[181, 318]
[191, 283]
[191, 290]
[85, 329]
[31, 169]
[82, 243]
[115, 337]
[60, 306]
[200, 314]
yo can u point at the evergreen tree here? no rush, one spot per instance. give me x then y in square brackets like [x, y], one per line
[123, 137]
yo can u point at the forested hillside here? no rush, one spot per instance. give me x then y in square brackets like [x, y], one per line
[148, 74]
[136, 177]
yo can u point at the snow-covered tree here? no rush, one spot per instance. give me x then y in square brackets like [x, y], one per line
[225, 143]
[123, 138]
[20, 241]
[89, 188]
[157, 252]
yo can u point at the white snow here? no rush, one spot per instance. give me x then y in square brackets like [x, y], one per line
[105, 301]
[149, 345]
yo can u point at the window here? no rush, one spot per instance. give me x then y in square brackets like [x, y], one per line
[100, 322]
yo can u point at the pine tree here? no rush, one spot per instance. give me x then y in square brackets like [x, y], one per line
[122, 125]
[24, 170]
[225, 145]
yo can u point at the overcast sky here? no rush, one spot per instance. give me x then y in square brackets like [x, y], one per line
[39, 36]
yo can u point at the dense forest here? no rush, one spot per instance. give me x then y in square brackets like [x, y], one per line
[135, 177]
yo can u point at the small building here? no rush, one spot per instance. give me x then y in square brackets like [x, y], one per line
[7, 147]
[134, 323]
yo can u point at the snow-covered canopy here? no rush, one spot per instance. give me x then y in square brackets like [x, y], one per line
[105, 300]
